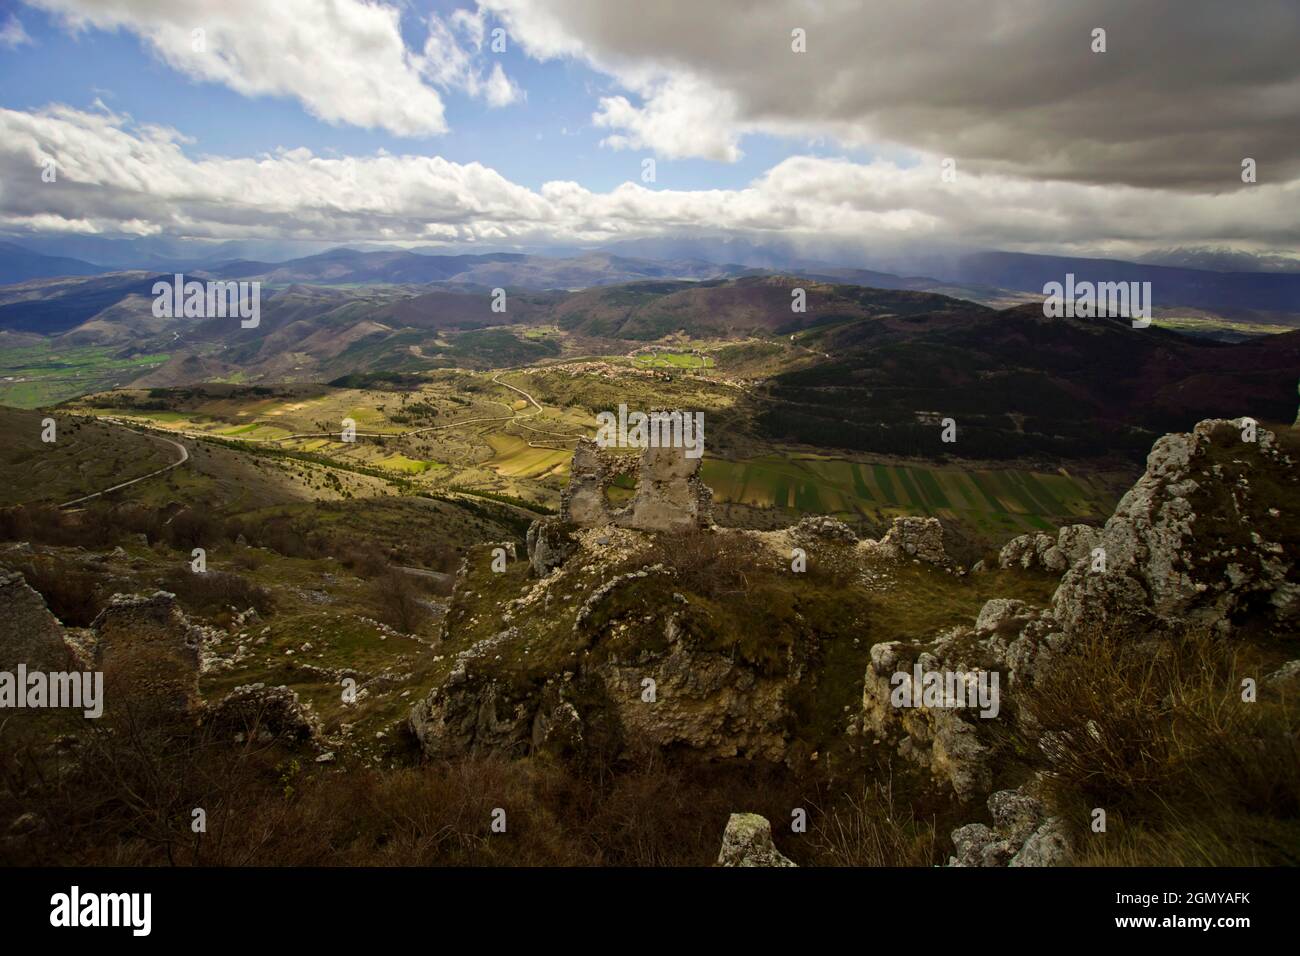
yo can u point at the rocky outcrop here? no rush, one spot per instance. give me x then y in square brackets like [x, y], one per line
[669, 494]
[469, 713]
[703, 700]
[1200, 541]
[550, 543]
[639, 663]
[1022, 835]
[1044, 552]
[1009, 645]
[642, 679]
[941, 739]
[1197, 541]
[747, 841]
[149, 651]
[29, 633]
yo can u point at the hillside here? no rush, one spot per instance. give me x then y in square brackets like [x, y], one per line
[633, 668]
[86, 456]
[1019, 384]
[647, 311]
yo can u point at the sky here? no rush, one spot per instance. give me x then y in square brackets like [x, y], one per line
[1113, 127]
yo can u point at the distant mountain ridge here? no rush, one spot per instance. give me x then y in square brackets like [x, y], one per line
[994, 278]
[18, 265]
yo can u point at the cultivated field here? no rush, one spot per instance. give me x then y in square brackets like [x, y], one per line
[34, 376]
[996, 501]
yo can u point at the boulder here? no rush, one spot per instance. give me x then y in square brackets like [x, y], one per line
[747, 841]
[1043, 552]
[1049, 845]
[1022, 835]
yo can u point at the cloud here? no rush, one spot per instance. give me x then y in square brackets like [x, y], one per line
[452, 65]
[344, 60]
[114, 175]
[1185, 90]
[681, 119]
[12, 34]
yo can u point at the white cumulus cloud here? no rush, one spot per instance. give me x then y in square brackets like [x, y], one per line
[344, 60]
[114, 175]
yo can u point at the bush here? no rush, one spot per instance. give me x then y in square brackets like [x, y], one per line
[215, 591]
[399, 601]
[72, 595]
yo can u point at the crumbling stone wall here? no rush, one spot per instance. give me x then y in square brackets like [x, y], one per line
[29, 633]
[669, 494]
[149, 650]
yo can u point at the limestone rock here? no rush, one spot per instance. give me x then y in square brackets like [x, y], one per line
[557, 728]
[462, 718]
[1011, 639]
[708, 702]
[1044, 553]
[1016, 814]
[747, 841]
[550, 544]
[947, 741]
[1021, 835]
[1048, 846]
[1187, 543]
[705, 701]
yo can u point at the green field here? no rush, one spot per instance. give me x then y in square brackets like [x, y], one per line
[995, 501]
[36, 376]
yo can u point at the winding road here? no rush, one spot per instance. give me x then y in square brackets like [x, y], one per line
[185, 456]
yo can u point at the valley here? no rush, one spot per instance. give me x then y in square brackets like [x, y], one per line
[376, 474]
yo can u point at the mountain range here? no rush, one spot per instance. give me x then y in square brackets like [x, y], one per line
[991, 277]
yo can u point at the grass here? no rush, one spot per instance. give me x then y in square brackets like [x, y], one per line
[38, 375]
[1188, 772]
[515, 458]
[87, 456]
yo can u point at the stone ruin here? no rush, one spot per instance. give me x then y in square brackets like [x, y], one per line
[669, 494]
[146, 646]
[29, 633]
